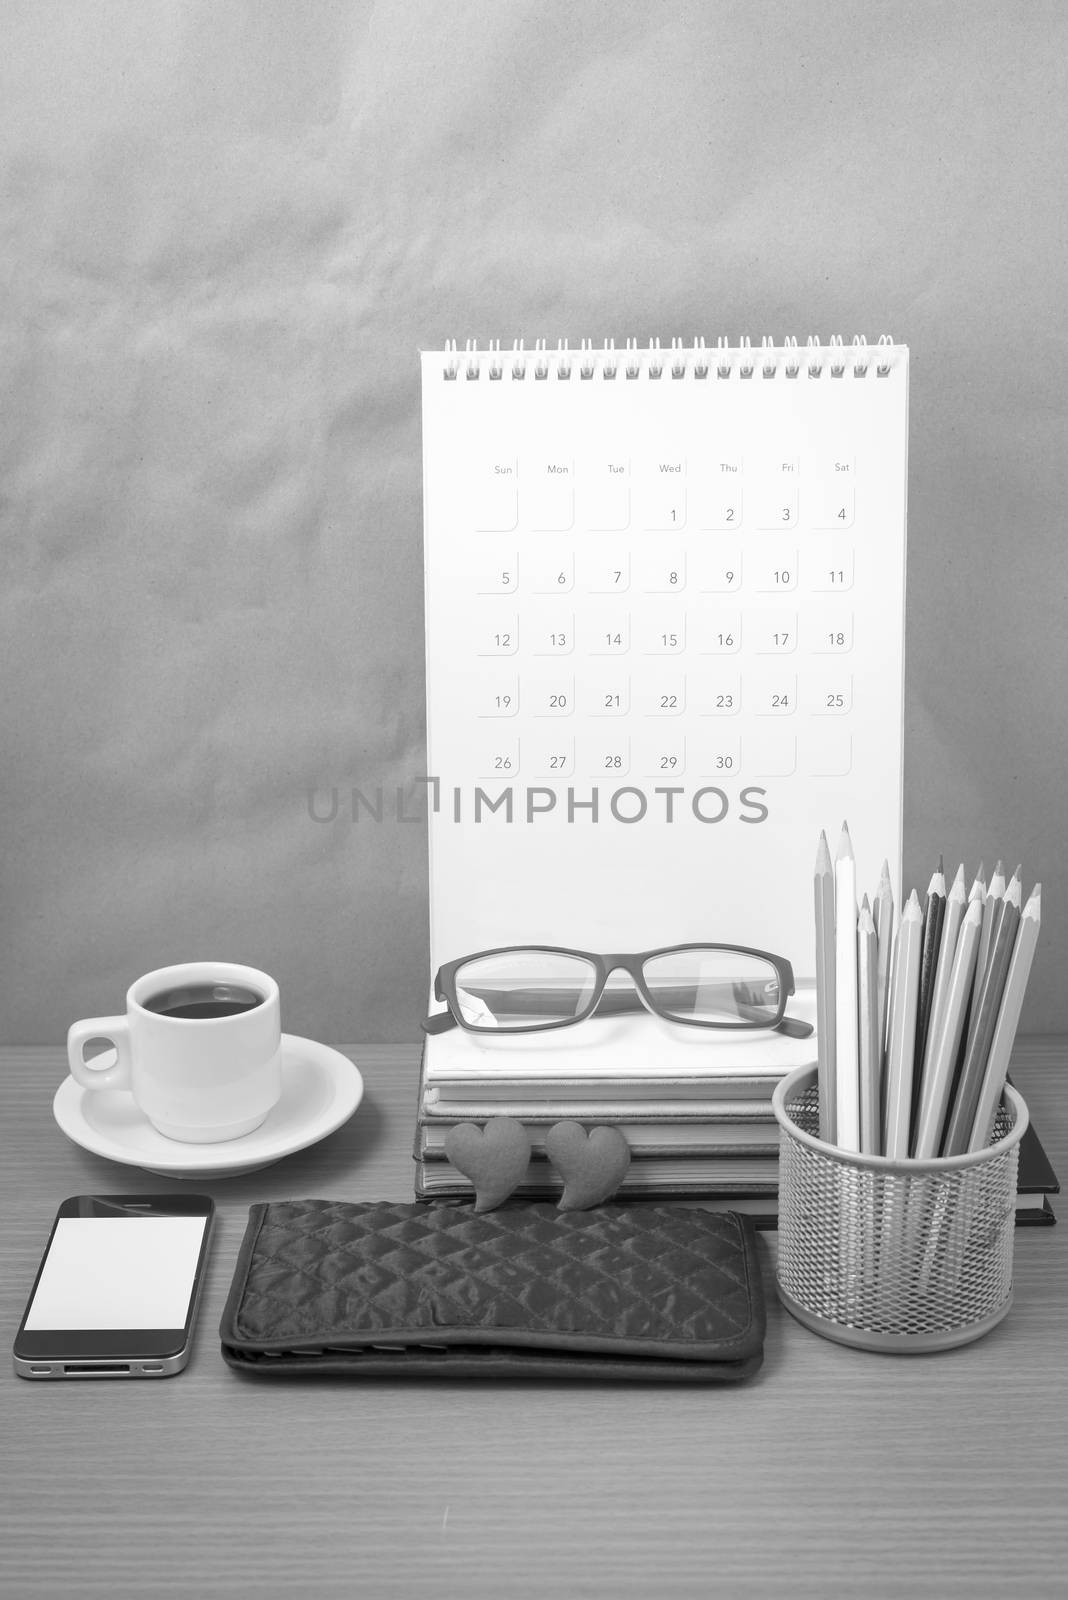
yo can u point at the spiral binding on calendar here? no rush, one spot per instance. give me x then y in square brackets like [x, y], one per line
[700, 361]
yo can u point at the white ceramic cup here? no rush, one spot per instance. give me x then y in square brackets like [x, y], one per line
[200, 1080]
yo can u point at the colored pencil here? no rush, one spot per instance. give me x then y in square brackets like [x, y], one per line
[1008, 1017]
[1013, 896]
[869, 1050]
[825, 1006]
[901, 1034]
[991, 905]
[933, 914]
[977, 892]
[966, 1097]
[846, 1079]
[956, 901]
[941, 1059]
[883, 916]
[978, 888]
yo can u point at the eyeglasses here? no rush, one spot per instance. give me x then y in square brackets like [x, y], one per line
[531, 988]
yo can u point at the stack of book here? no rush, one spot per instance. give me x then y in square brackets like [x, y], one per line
[693, 1105]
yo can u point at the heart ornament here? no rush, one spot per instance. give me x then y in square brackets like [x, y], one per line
[494, 1159]
[592, 1167]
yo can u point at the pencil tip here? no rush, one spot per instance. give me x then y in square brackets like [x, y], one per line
[941, 866]
[999, 870]
[1019, 869]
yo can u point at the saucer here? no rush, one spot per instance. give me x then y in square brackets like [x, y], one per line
[320, 1090]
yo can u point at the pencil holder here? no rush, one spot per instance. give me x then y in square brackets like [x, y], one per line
[901, 1256]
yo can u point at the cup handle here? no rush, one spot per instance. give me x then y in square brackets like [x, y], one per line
[117, 1029]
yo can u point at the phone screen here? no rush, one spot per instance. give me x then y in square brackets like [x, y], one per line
[118, 1272]
[116, 1293]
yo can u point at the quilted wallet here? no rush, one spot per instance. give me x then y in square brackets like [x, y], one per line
[385, 1289]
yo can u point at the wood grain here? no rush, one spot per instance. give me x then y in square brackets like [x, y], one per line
[835, 1472]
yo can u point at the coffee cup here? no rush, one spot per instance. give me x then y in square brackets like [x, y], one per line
[199, 1048]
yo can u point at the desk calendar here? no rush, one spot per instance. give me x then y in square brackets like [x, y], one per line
[665, 637]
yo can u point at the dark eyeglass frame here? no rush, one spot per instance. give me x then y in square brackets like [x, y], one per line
[603, 966]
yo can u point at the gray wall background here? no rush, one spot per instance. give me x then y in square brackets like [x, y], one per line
[226, 232]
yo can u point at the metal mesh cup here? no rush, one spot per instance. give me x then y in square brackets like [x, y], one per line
[902, 1256]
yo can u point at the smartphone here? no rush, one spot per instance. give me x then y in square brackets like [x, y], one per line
[117, 1290]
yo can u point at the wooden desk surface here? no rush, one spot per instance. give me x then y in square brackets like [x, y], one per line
[834, 1472]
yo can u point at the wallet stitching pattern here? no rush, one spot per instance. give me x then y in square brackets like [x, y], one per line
[262, 1255]
[311, 1274]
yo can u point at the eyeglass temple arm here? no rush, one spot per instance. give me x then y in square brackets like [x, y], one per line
[795, 1028]
[440, 1023]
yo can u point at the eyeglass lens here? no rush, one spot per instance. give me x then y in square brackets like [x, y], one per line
[524, 989]
[713, 986]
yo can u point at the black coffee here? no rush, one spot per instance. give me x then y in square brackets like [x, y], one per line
[198, 1002]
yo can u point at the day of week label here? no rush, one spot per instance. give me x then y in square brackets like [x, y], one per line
[834, 466]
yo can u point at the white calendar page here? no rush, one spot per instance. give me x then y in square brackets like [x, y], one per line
[664, 638]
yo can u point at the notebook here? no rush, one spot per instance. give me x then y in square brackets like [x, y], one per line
[664, 637]
[618, 1057]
